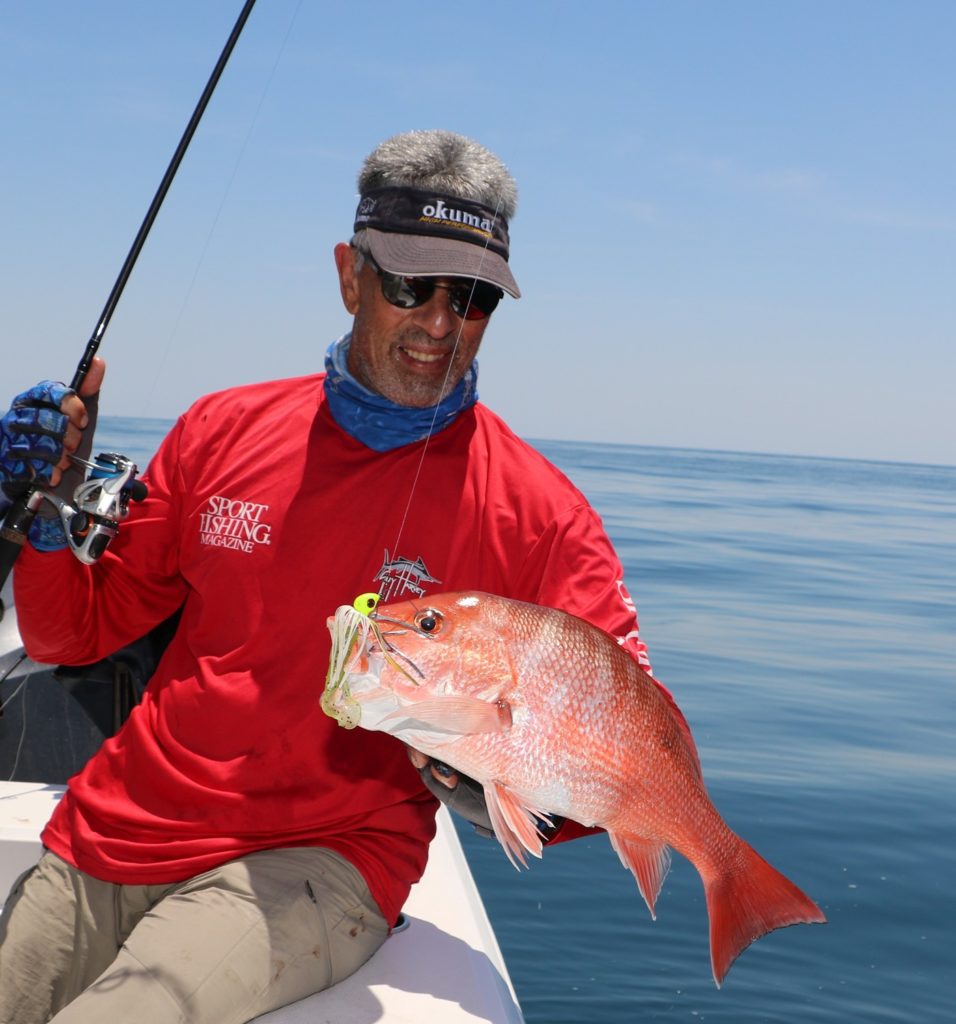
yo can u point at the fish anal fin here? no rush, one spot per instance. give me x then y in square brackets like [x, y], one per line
[515, 824]
[648, 860]
[463, 716]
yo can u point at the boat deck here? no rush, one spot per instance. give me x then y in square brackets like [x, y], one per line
[445, 967]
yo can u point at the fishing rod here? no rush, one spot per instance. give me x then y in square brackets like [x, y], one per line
[101, 501]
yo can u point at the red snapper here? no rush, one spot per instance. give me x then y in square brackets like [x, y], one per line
[552, 716]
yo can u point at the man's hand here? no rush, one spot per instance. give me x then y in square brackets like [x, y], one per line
[466, 796]
[440, 772]
[457, 791]
[43, 428]
[78, 414]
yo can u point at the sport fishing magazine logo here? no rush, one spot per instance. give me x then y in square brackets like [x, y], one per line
[234, 524]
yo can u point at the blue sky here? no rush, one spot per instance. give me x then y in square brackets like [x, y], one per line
[736, 227]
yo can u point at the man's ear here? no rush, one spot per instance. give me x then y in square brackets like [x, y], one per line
[348, 276]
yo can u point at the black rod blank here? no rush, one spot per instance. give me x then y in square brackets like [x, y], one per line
[19, 518]
[94, 343]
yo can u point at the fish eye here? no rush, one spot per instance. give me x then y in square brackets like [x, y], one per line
[429, 621]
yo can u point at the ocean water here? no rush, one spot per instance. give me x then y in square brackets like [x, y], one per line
[803, 613]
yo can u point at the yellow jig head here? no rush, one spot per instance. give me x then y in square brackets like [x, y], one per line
[366, 603]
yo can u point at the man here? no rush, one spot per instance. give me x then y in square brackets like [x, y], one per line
[232, 849]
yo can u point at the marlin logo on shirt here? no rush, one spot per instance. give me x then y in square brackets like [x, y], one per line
[399, 576]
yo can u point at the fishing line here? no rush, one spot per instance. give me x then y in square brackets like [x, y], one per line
[174, 331]
[23, 715]
[441, 395]
[22, 513]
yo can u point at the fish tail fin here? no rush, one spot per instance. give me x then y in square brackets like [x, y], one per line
[748, 901]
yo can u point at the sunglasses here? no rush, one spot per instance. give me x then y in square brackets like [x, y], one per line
[469, 299]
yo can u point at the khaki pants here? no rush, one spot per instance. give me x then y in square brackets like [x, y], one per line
[221, 948]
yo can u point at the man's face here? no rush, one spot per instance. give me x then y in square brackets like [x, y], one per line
[404, 354]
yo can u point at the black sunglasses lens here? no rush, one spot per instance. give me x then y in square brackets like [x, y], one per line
[474, 300]
[406, 292]
[471, 300]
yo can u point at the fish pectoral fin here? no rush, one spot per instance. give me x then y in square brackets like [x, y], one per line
[648, 860]
[459, 715]
[515, 824]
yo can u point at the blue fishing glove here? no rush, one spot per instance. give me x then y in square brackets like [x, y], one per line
[31, 437]
[31, 444]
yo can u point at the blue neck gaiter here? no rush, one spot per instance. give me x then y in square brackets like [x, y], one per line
[379, 423]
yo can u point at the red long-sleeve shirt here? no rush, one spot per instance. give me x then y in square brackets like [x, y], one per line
[263, 516]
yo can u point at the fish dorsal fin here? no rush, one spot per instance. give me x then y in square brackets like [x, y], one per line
[460, 716]
[647, 859]
[515, 824]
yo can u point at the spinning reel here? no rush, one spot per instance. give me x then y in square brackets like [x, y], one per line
[99, 505]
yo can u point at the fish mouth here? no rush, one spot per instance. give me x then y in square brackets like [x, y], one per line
[360, 650]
